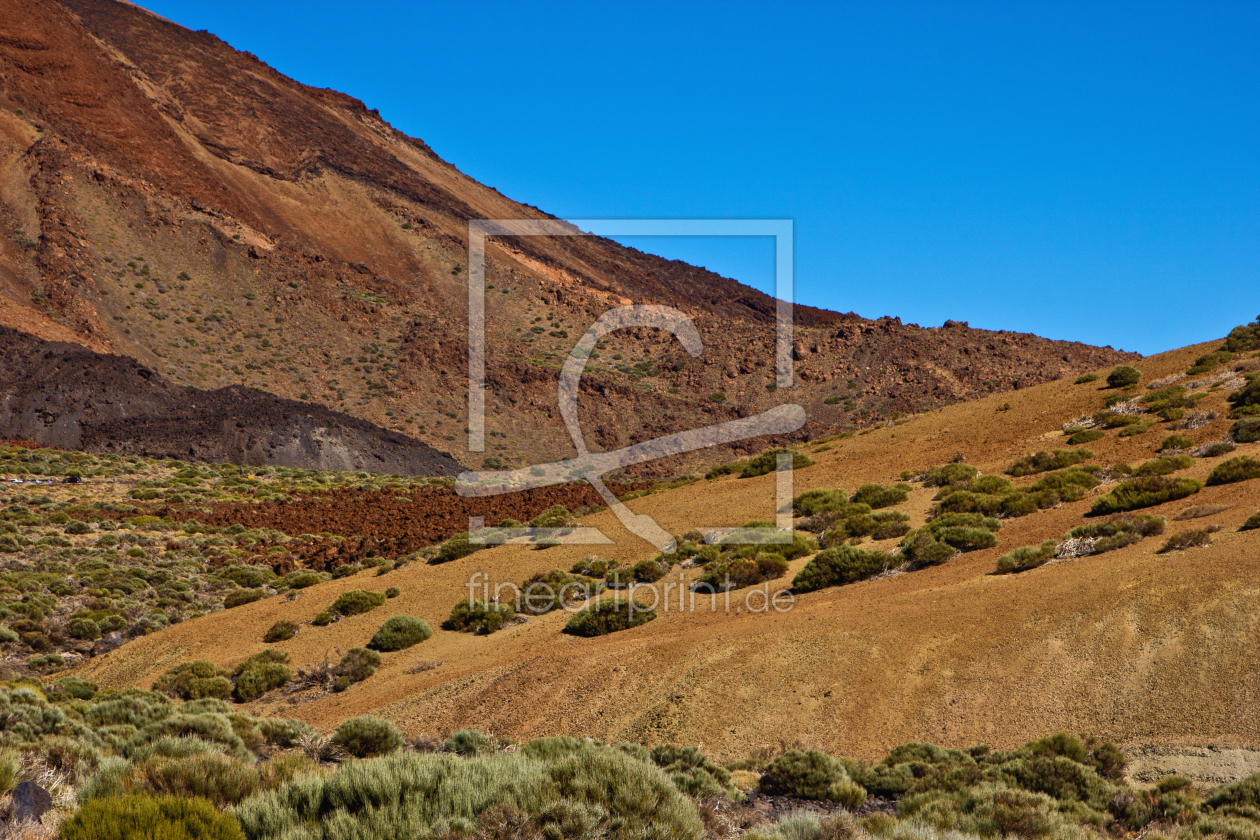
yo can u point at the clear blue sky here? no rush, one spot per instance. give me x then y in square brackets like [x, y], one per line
[1084, 171]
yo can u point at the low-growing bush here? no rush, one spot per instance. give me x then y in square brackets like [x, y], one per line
[767, 462]
[1137, 493]
[1197, 538]
[1175, 442]
[1086, 436]
[400, 632]
[1246, 397]
[367, 736]
[737, 573]
[1123, 376]
[878, 496]
[811, 774]
[1086, 378]
[1252, 523]
[357, 602]
[556, 589]
[481, 617]
[467, 742]
[609, 616]
[593, 567]
[260, 673]
[1028, 557]
[194, 680]
[1242, 468]
[356, 666]
[1246, 430]
[456, 547]
[280, 631]
[840, 565]
[301, 580]
[1046, 461]
[949, 474]
[240, 597]
[1164, 465]
[158, 817]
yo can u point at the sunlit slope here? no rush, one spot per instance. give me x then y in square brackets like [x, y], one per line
[1132, 645]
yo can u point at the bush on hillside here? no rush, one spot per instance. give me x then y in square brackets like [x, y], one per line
[1137, 493]
[1246, 430]
[301, 580]
[1252, 523]
[1241, 468]
[259, 674]
[1175, 442]
[1086, 436]
[1123, 376]
[878, 496]
[280, 631]
[1046, 461]
[1246, 398]
[556, 589]
[457, 547]
[356, 666]
[1086, 378]
[593, 567]
[811, 774]
[357, 601]
[1028, 557]
[839, 566]
[400, 632]
[1196, 538]
[813, 502]
[1208, 362]
[767, 462]
[1126, 529]
[157, 817]
[480, 617]
[240, 597]
[947, 475]
[1242, 339]
[1164, 465]
[737, 573]
[194, 680]
[609, 616]
[367, 736]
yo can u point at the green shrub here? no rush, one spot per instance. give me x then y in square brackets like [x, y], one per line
[323, 618]
[400, 632]
[767, 462]
[1241, 339]
[468, 742]
[240, 597]
[609, 616]
[1252, 523]
[83, 628]
[1246, 397]
[810, 774]
[1246, 430]
[949, 474]
[76, 528]
[1235, 469]
[878, 496]
[194, 681]
[78, 688]
[366, 736]
[455, 548]
[1240, 798]
[157, 817]
[693, 772]
[737, 573]
[1028, 557]
[1132, 429]
[481, 617]
[1086, 436]
[1126, 529]
[838, 566]
[1164, 465]
[556, 589]
[357, 601]
[1086, 378]
[301, 580]
[1045, 461]
[1139, 493]
[1175, 442]
[249, 577]
[7, 635]
[260, 673]
[280, 631]
[1195, 538]
[593, 567]
[1123, 376]
[393, 592]
[1211, 361]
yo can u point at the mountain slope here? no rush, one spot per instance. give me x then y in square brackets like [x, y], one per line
[174, 200]
[1136, 644]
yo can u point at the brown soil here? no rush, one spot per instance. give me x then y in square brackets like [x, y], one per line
[66, 396]
[1145, 648]
[168, 198]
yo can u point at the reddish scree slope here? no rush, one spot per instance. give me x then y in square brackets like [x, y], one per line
[174, 200]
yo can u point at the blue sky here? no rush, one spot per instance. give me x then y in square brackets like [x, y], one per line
[1083, 171]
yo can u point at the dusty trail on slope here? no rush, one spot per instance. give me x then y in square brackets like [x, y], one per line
[1132, 645]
